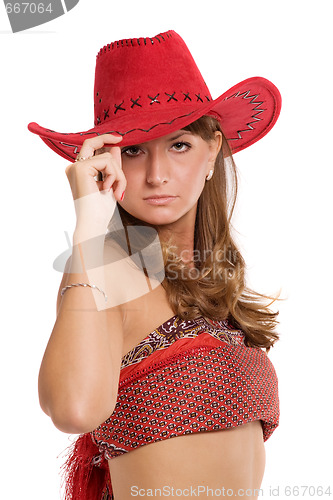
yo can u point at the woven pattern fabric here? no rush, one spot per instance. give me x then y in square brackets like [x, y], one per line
[175, 328]
[204, 378]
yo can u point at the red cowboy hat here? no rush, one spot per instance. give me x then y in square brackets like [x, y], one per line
[149, 87]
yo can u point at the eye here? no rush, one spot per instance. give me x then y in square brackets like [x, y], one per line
[181, 147]
[131, 151]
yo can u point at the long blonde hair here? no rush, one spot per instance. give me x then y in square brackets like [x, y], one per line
[215, 287]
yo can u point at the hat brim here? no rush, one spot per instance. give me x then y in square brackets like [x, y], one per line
[246, 112]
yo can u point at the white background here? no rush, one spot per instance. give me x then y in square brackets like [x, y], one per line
[284, 213]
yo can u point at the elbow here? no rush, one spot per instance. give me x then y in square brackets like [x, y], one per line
[73, 423]
[70, 421]
[74, 412]
[77, 419]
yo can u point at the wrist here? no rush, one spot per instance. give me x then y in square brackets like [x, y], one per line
[83, 234]
[87, 252]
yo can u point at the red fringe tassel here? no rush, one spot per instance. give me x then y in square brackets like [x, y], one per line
[84, 479]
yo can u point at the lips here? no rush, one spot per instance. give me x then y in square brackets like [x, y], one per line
[159, 196]
[160, 199]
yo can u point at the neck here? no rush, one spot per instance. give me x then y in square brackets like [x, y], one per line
[182, 241]
[181, 235]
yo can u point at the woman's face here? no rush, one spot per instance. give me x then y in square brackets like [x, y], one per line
[166, 176]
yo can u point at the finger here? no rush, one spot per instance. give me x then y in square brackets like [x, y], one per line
[93, 143]
[116, 153]
[113, 176]
[114, 150]
[119, 187]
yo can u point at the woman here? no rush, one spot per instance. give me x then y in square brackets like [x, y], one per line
[168, 341]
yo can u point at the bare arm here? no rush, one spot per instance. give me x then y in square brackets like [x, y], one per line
[79, 374]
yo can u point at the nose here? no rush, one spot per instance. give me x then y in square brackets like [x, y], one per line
[157, 168]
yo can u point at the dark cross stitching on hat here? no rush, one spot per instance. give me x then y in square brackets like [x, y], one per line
[118, 107]
[106, 113]
[187, 96]
[154, 99]
[171, 96]
[135, 102]
[198, 97]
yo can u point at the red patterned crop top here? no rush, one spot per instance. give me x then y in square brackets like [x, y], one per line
[202, 378]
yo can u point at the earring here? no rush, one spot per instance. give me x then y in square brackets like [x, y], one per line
[210, 175]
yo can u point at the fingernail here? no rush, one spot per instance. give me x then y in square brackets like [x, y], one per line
[122, 196]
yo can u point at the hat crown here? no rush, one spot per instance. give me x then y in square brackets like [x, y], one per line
[138, 75]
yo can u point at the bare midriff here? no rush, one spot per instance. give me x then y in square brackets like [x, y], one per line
[205, 463]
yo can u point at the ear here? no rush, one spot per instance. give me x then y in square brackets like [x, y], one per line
[215, 146]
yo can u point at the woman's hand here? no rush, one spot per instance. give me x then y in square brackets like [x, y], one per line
[95, 201]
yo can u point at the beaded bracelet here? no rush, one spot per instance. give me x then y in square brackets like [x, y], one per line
[83, 284]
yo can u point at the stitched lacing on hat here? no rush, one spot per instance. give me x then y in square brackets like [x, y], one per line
[153, 100]
[133, 42]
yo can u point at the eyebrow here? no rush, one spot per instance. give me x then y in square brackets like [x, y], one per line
[179, 135]
[174, 138]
